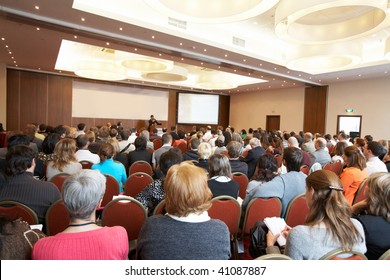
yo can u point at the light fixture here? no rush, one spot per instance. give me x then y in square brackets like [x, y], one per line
[215, 80]
[141, 63]
[100, 70]
[215, 11]
[387, 49]
[316, 59]
[320, 21]
[176, 74]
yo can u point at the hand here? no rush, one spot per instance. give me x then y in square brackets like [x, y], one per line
[271, 238]
[286, 231]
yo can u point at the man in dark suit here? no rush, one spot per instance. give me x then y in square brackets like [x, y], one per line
[253, 156]
[234, 149]
[152, 122]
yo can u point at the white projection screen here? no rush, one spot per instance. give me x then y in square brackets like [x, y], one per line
[197, 108]
[91, 100]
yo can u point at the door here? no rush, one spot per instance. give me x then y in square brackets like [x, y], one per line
[273, 123]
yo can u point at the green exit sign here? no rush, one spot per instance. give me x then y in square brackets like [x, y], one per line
[349, 110]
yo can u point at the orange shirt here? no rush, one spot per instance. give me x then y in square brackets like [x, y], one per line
[351, 178]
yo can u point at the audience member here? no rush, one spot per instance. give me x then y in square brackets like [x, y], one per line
[339, 152]
[80, 129]
[83, 154]
[234, 150]
[372, 150]
[293, 142]
[308, 146]
[328, 225]
[83, 239]
[220, 174]
[204, 152]
[192, 154]
[186, 232]
[253, 155]
[167, 145]
[320, 155]
[48, 147]
[140, 152]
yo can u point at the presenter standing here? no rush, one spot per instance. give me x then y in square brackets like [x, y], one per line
[152, 123]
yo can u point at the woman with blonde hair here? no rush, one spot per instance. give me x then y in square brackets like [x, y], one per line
[204, 152]
[375, 216]
[64, 159]
[355, 172]
[186, 232]
[328, 225]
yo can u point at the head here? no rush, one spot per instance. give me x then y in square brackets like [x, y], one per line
[292, 159]
[18, 139]
[64, 150]
[237, 137]
[83, 192]
[293, 142]
[368, 138]
[19, 159]
[145, 134]
[181, 134]
[204, 151]
[373, 149]
[254, 142]
[60, 130]
[195, 144]
[320, 143]
[140, 143]
[359, 142]
[308, 136]
[104, 132]
[219, 165]
[266, 168]
[48, 145]
[91, 136]
[353, 157]
[81, 126]
[106, 151]
[82, 141]
[340, 147]
[113, 132]
[195, 197]
[234, 149]
[342, 136]
[166, 139]
[173, 128]
[168, 159]
[378, 195]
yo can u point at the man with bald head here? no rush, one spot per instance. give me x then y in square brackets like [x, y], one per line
[293, 142]
[320, 155]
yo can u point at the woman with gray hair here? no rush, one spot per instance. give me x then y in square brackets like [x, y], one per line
[83, 239]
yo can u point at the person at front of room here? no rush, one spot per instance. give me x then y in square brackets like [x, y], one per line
[186, 232]
[328, 225]
[152, 122]
[83, 239]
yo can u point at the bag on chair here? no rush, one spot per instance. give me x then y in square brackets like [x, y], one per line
[258, 239]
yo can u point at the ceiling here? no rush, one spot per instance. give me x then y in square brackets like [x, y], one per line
[32, 32]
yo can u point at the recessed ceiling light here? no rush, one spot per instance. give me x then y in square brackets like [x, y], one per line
[38, 28]
[235, 70]
[201, 63]
[120, 28]
[182, 59]
[107, 43]
[337, 78]
[16, 65]
[275, 68]
[300, 75]
[293, 84]
[226, 55]
[135, 49]
[249, 74]
[261, 64]
[10, 52]
[13, 58]
[273, 79]
[2, 38]
[269, 86]
[282, 85]
[244, 60]
[205, 50]
[219, 67]
[385, 72]
[360, 75]
[159, 54]
[6, 46]
[153, 37]
[36, 7]
[82, 19]
[39, 68]
[319, 80]
[181, 44]
[75, 36]
[14, 61]
[60, 71]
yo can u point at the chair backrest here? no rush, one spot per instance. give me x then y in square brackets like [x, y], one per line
[112, 188]
[331, 149]
[228, 210]
[338, 167]
[258, 209]
[279, 159]
[157, 143]
[150, 150]
[86, 164]
[360, 193]
[335, 255]
[273, 257]
[160, 208]
[328, 166]
[305, 169]
[13, 210]
[296, 211]
[141, 166]
[125, 212]
[183, 147]
[59, 180]
[245, 153]
[136, 183]
[242, 181]
[385, 255]
[57, 218]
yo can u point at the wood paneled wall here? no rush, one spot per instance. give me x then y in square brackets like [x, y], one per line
[314, 119]
[44, 98]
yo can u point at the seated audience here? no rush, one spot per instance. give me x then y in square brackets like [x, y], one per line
[220, 174]
[359, 143]
[285, 186]
[266, 170]
[219, 146]
[293, 142]
[204, 152]
[140, 152]
[167, 145]
[186, 232]
[48, 147]
[339, 152]
[108, 166]
[83, 239]
[234, 149]
[152, 195]
[83, 153]
[64, 160]
[372, 150]
[321, 154]
[21, 186]
[192, 154]
[253, 155]
[354, 173]
[375, 214]
[328, 225]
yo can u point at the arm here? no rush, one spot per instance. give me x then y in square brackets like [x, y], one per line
[359, 207]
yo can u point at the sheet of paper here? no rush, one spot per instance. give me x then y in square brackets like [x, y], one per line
[276, 225]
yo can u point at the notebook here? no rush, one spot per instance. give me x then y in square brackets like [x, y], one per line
[276, 225]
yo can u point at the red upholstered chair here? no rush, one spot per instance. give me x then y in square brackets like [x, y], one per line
[297, 211]
[183, 147]
[360, 196]
[242, 181]
[136, 183]
[57, 218]
[59, 180]
[157, 143]
[335, 255]
[279, 159]
[13, 210]
[86, 164]
[160, 208]
[228, 210]
[338, 167]
[245, 153]
[112, 188]
[258, 209]
[305, 169]
[125, 212]
[141, 166]
[150, 150]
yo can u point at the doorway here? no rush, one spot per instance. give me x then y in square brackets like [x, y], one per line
[272, 123]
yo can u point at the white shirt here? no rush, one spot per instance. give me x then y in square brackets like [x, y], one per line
[374, 164]
[192, 217]
[87, 155]
[131, 138]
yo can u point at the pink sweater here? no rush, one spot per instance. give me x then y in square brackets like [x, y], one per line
[107, 243]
